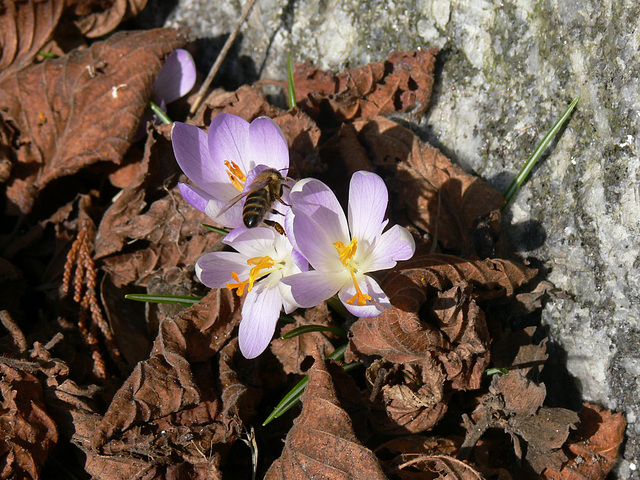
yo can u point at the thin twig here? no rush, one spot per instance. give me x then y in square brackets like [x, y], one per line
[17, 336]
[221, 56]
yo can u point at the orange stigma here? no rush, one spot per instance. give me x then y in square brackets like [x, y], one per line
[261, 263]
[239, 285]
[235, 175]
[346, 255]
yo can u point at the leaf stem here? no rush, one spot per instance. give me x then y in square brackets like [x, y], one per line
[161, 114]
[537, 153]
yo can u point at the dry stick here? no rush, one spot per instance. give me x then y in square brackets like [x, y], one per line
[221, 56]
[17, 336]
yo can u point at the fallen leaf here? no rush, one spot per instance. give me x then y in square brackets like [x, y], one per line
[83, 108]
[171, 406]
[321, 442]
[515, 404]
[96, 20]
[412, 397]
[593, 448]
[29, 434]
[398, 84]
[25, 27]
[400, 336]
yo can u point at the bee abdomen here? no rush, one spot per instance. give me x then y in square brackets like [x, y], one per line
[255, 207]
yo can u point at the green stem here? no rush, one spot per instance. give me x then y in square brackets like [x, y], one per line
[537, 153]
[161, 114]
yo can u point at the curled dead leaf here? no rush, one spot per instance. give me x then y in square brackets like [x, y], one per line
[411, 396]
[322, 442]
[96, 20]
[593, 448]
[25, 27]
[398, 84]
[28, 432]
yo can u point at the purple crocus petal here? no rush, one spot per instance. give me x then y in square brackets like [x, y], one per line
[190, 147]
[378, 303]
[194, 196]
[176, 78]
[299, 260]
[214, 269]
[315, 236]
[260, 314]
[318, 222]
[395, 244]
[368, 198]
[253, 242]
[229, 140]
[308, 289]
[309, 195]
[268, 144]
[231, 236]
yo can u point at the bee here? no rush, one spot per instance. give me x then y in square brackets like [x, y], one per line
[265, 189]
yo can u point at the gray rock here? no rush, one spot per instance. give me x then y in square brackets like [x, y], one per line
[508, 71]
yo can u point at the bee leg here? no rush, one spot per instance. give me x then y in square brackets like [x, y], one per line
[275, 225]
[283, 202]
[276, 212]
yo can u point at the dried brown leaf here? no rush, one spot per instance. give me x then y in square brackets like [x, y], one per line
[171, 407]
[398, 84]
[247, 102]
[514, 404]
[322, 442]
[412, 398]
[28, 432]
[593, 449]
[96, 20]
[400, 335]
[82, 108]
[25, 27]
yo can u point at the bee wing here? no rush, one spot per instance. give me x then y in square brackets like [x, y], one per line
[254, 187]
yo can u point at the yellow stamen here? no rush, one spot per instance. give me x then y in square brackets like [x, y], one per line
[346, 255]
[235, 175]
[240, 285]
[260, 263]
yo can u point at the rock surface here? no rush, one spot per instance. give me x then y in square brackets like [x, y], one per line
[508, 70]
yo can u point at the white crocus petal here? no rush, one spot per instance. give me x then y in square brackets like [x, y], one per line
[394, 245]
[196, 197]
[215, 269]
[368, 286]
[308, 289]
[368, 198]
[260, 314]
[253, 242]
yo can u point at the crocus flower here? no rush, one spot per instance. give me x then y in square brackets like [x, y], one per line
[263, 257]
[222, 162]
[342, 253]
[176, 78]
